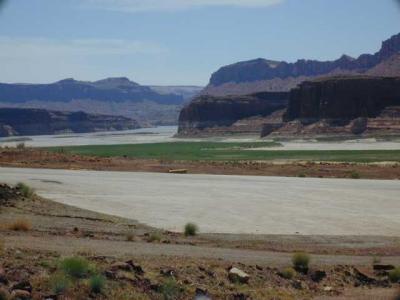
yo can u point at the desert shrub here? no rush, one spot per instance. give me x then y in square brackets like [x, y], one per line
[302, 175]
[170, 289]
[25, 190]
[355, 175]
[394, 275]
[59, 283]
[20, 225]
[21, 146]
[154, 237]
[45, 264]
[191, 229]
[300, 261]
[130, 236]
[288, 273]
[75, 267]
[97, 283]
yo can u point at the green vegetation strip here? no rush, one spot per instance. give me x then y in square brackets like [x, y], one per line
[219, 151]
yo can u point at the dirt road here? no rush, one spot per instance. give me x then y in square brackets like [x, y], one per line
[68, 246]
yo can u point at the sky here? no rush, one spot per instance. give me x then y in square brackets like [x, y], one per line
[180, 42]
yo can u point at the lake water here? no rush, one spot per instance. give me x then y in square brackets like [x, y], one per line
[137, 136]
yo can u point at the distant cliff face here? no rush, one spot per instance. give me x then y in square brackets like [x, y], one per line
[208, 112]
[110, 89]
[14, 121]
[342, 98]
[266, 75]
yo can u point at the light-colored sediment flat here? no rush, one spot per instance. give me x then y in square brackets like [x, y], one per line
[227, 204]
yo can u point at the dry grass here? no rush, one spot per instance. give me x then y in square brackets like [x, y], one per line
[124, 294]
[85, 252]
[288, 273]
[20, 225]
[154, 237]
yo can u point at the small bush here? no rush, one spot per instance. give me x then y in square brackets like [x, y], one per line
[1, 247]
[4, 295]
[20, 225]
[394, 275]
[288, 273]
[25, 190]
[130, 236]
[302, 175]
[75, 267]
[20, 146]
[300, 261]
[97, 283]
[170, 289]
[191, 229]
[355, 175]
[154, 237]
[59, 284]
[376, 260]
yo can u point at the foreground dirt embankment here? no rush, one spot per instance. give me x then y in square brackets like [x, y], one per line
[35, 158]
[139, 262]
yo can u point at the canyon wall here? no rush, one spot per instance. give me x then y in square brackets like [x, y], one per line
[342, 98]
[207, 112]
[340, 106]
[15, 121]
[268, 75]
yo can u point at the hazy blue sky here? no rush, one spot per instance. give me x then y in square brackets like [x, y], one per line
[180, 41]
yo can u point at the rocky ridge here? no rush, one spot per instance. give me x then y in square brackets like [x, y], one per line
[15, 121]
[267, 75]
[151, 106]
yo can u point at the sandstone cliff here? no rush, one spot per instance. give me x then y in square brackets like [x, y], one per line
[208, 112]
[342, 98]
[341, 105]
[267, 75]
[14, 121]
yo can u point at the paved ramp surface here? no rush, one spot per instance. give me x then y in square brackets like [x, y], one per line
[228, 204]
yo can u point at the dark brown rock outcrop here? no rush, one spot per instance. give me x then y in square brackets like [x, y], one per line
[341, 106]
[15, 121]
[342, 98]
[212, 112]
